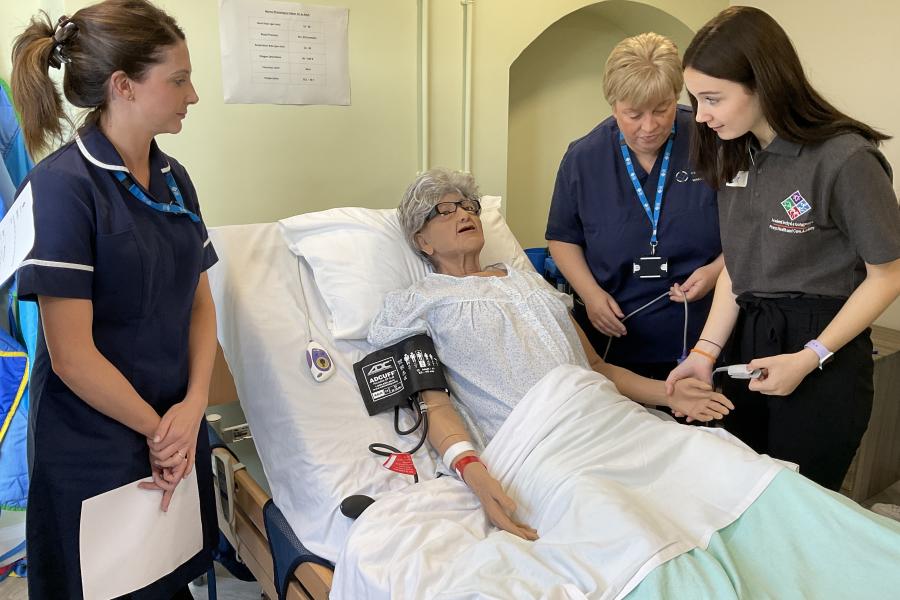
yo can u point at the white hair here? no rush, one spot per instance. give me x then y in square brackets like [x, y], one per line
[425, 193]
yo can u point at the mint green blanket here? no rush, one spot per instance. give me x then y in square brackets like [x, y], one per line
[796, 541]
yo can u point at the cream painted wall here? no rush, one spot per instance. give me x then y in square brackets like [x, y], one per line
[556, 96]
[851, 60]
[259, 162]
[14, 16]
[502, 30]
[254, 163]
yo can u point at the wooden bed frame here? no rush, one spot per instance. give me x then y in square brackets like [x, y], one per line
[310, 581]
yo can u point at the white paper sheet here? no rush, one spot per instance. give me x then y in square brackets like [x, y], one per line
[16, 234]
[284, 53]
[127, 542]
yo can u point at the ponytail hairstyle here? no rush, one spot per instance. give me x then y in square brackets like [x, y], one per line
[98, 40]
[747, 46]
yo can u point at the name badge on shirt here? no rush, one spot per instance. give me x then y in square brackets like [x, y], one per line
[740, 180]
[650, 267]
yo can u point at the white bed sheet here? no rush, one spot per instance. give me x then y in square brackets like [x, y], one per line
[312, 438]
[612, 490]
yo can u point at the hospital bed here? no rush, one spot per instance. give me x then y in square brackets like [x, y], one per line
[308, 580]
[263, 295]
[311, 437]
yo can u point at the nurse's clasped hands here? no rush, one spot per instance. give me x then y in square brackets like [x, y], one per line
[604, 313]
[165, 479]
[174, 445]
[176, 435]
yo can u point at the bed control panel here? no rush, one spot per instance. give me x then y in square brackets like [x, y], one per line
[225, 465]
[235, 433]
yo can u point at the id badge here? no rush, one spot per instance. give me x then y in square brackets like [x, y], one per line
[740, 179]
[650, 267]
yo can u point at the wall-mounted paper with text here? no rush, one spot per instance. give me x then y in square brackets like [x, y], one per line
[284, 53]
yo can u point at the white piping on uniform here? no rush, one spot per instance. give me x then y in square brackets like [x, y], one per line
[102, 165]
[206, 243]
[56, 264]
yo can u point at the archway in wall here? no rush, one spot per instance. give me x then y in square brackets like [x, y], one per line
[556, 96]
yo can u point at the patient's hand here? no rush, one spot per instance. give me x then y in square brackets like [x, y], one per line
[498, 506]
[697, 401]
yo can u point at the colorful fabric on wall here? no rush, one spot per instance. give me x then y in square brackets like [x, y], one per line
[12, 141]
[21, 340]
[13, 424]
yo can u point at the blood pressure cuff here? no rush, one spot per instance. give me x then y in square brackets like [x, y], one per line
[388, 377]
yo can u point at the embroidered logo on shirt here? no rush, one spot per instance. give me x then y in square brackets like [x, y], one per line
[685, 176]
[796, 205]
[791, 227]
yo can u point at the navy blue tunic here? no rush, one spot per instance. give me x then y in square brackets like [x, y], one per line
[595, 206]
[140, 268]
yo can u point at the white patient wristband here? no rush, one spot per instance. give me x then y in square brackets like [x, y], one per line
[454, 451]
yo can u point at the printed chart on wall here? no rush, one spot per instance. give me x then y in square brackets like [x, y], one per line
[284, 53]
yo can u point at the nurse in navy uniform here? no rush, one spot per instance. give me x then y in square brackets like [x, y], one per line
[121, 377]
[626, 195]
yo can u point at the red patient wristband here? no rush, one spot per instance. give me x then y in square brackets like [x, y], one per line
[464, 462]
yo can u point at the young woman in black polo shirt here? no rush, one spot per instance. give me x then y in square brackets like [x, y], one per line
[811, 237]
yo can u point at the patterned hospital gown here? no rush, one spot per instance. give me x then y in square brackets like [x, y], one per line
[497, 336]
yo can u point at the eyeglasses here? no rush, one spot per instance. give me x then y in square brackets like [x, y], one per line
[470, 205]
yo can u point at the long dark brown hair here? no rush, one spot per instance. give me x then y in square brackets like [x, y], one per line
[91, 45]
[746, 45]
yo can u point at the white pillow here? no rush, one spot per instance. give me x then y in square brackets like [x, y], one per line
[358, 255]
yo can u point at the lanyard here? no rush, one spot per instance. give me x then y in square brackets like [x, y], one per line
[177, 208]
[653, 215]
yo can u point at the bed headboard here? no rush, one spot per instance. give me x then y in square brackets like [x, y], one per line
[221, 386]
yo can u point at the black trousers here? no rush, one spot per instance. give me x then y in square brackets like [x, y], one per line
[819, 426]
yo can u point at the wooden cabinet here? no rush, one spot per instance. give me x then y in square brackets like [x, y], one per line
[877, 462]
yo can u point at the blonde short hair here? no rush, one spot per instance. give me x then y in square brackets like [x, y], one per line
[643, 70]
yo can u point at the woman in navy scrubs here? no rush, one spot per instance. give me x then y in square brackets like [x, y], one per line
[613, 207]
[121, 376]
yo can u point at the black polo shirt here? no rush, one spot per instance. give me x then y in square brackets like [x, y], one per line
[805, 218]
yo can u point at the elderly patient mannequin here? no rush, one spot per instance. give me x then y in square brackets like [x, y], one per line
[498, 331]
